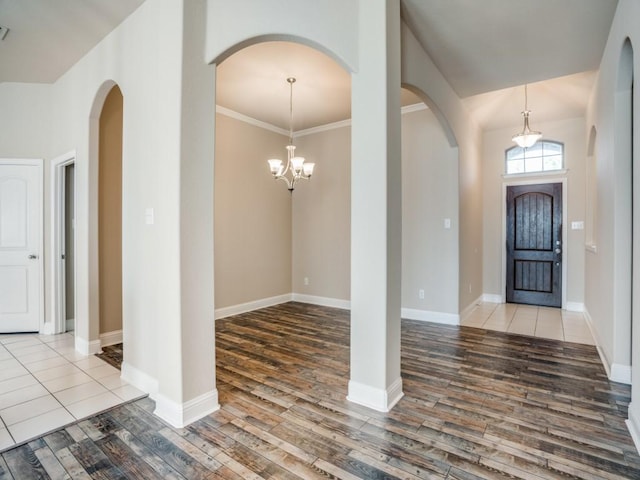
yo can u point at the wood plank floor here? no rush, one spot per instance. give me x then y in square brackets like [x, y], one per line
[477, 404]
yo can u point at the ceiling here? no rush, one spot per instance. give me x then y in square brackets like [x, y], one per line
[46, 38]
[486, 49]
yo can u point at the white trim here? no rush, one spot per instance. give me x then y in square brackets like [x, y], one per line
[87, 348]
[428, 316]
[381, 400]
[574, 307]
[322, 301]
[469, 308]
[250, 306]
[548, 173]
[591, 247]
[322, 128]
[58, 317]
[492, 298]
[508, 182]
[416, 107]
[48, 328]
[180, 415]
[251, 121]
[620, 373]
[633, 424]
[139, 379]
[603, 356]
[110, 338]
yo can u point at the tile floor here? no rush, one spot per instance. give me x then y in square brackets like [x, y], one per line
[542, 322]
[45, 384]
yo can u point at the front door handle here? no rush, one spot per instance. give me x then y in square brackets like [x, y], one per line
[33, 256]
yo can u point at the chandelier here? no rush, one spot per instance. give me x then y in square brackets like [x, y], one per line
[527, 138]
[296, 168]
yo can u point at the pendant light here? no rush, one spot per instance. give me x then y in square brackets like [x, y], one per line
[296, 168]
[527, 138]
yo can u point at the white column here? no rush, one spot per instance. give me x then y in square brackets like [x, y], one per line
[376, 213]
[187, 387]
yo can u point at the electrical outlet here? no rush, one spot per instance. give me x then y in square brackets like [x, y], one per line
[469, 288]
[306, 280]
[421, 294]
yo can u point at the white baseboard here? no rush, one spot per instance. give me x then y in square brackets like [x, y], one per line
[69, 324]
[574, 307]
[428, 316]
[492, 298]
[139, 379]
[110, 338]
[620, 373]
[48, 328]
[469, 308]
[323, 301]
[615, 371]
[87, 348]
[633, 424]
[250, 306]
[181, 415]
[377, 399]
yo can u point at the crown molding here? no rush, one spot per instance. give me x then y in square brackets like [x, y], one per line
[251, 121]
[308, 131]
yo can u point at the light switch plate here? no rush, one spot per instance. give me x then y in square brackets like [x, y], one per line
[577, 225]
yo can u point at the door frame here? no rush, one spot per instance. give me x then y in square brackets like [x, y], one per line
[39, 163]
[509, 182]
[58, 165]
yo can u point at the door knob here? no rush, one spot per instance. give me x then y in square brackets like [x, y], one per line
[33, 256]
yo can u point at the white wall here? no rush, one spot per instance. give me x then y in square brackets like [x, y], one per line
[571, 133]
[26, 119]
[420, 75]
[316, 24]
[612, 329]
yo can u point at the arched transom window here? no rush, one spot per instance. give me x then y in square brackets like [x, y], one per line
[544, 156]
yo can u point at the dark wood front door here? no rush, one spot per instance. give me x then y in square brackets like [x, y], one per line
[534, 244]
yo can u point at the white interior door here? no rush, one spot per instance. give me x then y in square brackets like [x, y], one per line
[20, 247]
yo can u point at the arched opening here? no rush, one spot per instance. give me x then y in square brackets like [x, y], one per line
[110, 223]
[270, 243]
[625, 261]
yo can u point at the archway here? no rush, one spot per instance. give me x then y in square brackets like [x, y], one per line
[110, 219]
[625, 265]
[283, 238]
